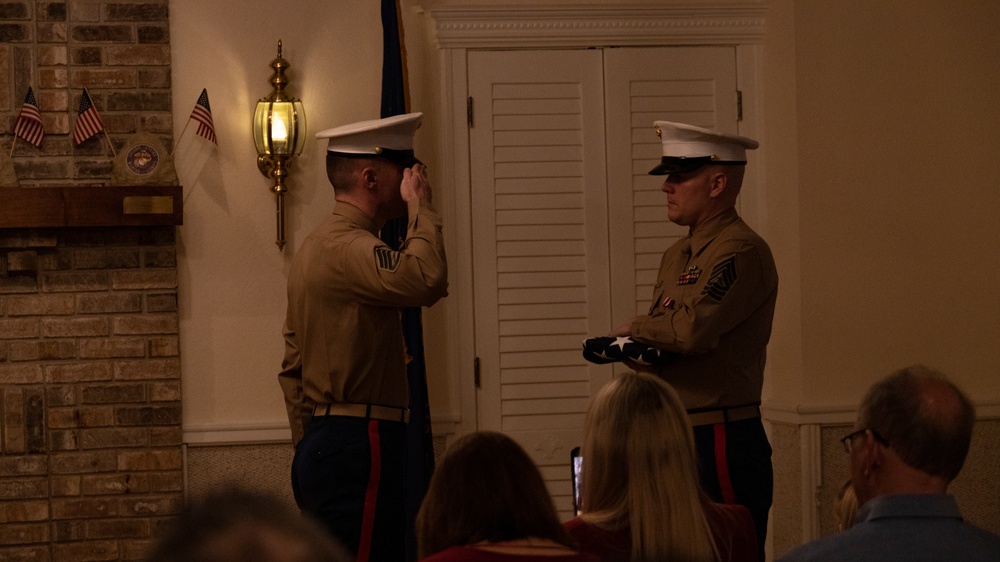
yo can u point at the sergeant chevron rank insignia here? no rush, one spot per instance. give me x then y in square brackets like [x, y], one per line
[387, 259]
[721, 279]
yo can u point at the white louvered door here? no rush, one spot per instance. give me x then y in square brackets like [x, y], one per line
[567, 227]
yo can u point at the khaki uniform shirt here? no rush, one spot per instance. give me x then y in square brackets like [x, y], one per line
[713, 304]
[343, 338]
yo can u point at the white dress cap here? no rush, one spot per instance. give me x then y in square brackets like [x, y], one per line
[687, 147]
[372, 137]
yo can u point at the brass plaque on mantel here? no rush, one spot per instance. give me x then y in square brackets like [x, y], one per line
[148, 205]
[108, 205]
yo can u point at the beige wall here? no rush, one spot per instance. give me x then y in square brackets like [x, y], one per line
[880, 172]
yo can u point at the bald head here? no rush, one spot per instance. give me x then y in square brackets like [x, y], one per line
[925, 419]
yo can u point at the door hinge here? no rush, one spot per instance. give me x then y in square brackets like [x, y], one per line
[468, 112]
[476, 370]
[739, 105]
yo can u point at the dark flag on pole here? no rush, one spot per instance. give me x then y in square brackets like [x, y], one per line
[419, 439]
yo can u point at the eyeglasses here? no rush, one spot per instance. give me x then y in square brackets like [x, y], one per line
[849, 438]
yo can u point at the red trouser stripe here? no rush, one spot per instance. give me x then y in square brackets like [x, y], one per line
[371, 494]
[721, 466]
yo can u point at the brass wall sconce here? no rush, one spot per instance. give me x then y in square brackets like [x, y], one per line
[279, 133]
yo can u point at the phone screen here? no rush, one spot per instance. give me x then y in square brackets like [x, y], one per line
[576, 465]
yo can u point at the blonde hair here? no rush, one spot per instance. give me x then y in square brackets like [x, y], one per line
[846, 506]
[639, 471]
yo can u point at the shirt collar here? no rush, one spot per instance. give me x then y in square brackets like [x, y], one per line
[356, 215]
[710, 229]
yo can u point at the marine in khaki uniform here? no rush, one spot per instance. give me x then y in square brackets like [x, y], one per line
[344, 371]
[712, 309]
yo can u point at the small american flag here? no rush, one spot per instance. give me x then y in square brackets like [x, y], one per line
[29, 124]
[203, 115]
[88, 122]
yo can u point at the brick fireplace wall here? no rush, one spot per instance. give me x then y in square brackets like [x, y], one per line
[90, 392]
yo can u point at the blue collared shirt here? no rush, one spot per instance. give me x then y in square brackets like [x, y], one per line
[905, 527]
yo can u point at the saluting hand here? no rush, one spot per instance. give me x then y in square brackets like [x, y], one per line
[415, 184]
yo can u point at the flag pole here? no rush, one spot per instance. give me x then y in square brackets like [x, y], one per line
[184, 130]
[112, 146]
[12, 145]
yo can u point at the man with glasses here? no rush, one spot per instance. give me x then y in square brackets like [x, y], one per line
[911, 439]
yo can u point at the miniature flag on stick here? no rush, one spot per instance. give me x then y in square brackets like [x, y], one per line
[88, 122]
[202, 113]
[29, 124]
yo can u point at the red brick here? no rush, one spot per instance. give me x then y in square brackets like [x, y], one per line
[118, 528]
[42, 350]
[148, 369]
[148, 415]
[114, 484]
[110, 438]
[162, 459]
[166, 481]
[25, 554]
[53, 77]
[108, 303]
[144, 279]
[153, 505]
[165, 436]
[25, 465]
[18, 284]
[52, 32]
[75, 327]
[23, 488]
[24, 534]
[53, 100]
[140, 55]
[40, 305]
[75, 282]
[19, 328]
[165, 391]
[113, 393]
[60, 396]
[92, 416]
[143, 12]
[78, 372]
[64, 440]
[21, 374]
[147, 324]
[65, 486]
[22, 261]
[82, 463]
[83, 508]
[52, 55]
[107, 348]
[167, 346]
[24, 511]
[13, 421]
[104, 78]
[66, 531]
[106, 258]
[89, 551]
[161, 303]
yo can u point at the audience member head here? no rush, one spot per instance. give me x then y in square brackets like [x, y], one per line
[912, 436]
[639, 470]
[486, 489]
[236, 526]
[845, 506]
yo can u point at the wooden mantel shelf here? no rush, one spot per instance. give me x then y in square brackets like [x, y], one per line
[69, 206]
